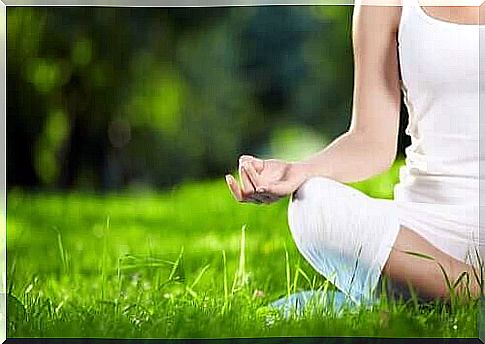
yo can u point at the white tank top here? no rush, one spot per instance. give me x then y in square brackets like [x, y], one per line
[439, 64]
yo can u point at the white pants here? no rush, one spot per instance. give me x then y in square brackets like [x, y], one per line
[344, 234]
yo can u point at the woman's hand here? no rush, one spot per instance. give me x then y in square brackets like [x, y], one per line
[266, 181]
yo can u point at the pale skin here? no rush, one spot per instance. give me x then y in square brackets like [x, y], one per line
[368, 147]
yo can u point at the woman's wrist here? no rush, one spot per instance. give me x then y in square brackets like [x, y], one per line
[303, 170]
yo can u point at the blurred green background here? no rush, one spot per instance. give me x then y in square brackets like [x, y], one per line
[139, 98]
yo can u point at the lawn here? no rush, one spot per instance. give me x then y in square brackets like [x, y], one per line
[189, 262]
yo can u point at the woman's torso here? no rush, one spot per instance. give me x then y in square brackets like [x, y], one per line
[439, 65]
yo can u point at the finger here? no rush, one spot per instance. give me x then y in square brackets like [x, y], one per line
[247, 186]
[258, 163]
[251, 199]
[234, 187]
[254, 177]
[238, 192]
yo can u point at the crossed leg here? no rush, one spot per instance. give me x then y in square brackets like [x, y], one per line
[424, 275]
[355, 240]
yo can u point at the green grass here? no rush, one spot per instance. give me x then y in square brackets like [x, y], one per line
[170, 265]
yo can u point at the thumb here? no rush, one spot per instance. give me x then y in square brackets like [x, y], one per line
[258, 164]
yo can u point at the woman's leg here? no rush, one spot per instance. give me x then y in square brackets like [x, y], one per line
[425, 275]
[344, 234]
[353, 240]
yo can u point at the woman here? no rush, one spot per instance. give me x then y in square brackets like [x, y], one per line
[431, 54]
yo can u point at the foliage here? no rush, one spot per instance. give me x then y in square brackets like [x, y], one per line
[90, 88]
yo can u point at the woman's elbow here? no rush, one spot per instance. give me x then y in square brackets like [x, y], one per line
[384, 160]
[381, 151]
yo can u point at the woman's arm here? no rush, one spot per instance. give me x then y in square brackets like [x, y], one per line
[369, 145]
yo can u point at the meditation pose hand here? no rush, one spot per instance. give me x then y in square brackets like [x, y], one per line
[265, 181]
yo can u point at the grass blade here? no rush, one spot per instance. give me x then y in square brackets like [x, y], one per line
[199, 276]
[62, 252]
[458, 280]
[295, 279]
[305, 276]
[226, 291]
[419, 255]
[240, 276]
[288, 273]
[177, 273]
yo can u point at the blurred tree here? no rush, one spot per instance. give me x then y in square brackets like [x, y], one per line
[106, 98]
[24, 32]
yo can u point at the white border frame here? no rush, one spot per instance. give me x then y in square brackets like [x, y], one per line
[3, 171]
[165, 3]
[225, 3]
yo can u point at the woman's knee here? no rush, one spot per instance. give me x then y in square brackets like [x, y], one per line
[315, 190]
[328, 212]
[310, 205]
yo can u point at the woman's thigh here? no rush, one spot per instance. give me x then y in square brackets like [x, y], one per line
[344, 234]
[409, 263]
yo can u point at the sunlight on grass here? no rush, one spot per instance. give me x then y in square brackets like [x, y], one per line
[189, 262]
